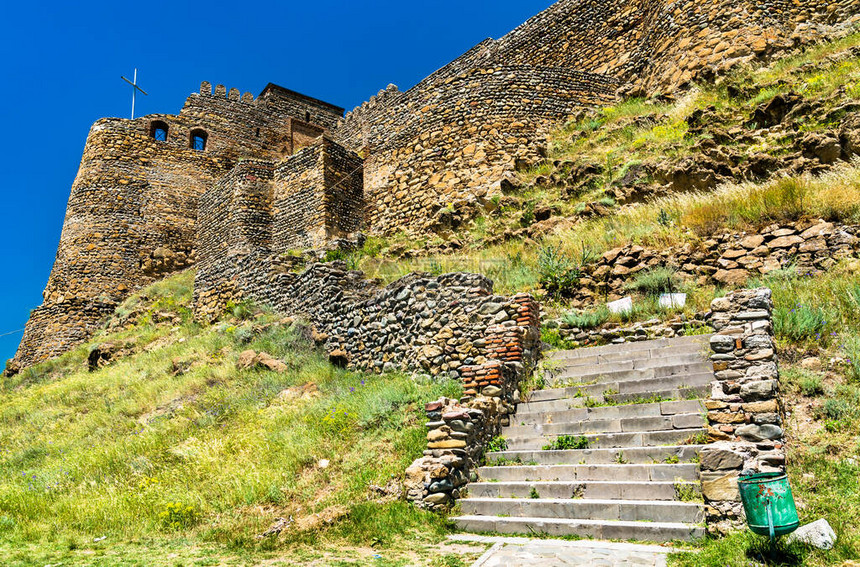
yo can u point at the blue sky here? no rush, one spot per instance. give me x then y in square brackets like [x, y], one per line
[62, 61]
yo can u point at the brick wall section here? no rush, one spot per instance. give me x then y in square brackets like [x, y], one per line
[744, 415]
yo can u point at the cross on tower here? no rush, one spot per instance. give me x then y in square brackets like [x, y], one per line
[134, 90]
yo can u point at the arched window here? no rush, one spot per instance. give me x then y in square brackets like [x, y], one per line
[198, 140]
[158, 130]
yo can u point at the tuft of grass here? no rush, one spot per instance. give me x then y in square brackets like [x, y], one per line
[567, 442]
[587, 319]
[496, 445]
[654, 281]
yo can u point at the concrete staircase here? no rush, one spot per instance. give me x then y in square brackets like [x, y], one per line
[638, 407]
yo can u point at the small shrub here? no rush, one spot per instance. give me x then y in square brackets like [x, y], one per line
[335, 255]
[534, 493]
[567, 442]
[553, 338]
[837, 410]
[587, 319]
[811, 386]
[557, 271]
[687, 492]
[176, 515]
[497, 445]
[851, 348]
[801, 322]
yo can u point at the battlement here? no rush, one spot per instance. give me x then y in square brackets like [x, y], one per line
[222, 92]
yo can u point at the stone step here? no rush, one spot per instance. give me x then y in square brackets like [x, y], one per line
[591, 490]
[617, 510]
[610, 440]
[620, 392]
[609, 412]
[627, 365]
[600, 374]
[631, 398]
[639, 346]
[607, 425]
[633, 455]
[606, 472]
[687, 352]
[596, 529]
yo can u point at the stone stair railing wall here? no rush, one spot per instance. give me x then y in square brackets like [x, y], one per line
[744, 415]
[458, 431]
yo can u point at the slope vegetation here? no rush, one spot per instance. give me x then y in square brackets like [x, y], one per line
[157, 443]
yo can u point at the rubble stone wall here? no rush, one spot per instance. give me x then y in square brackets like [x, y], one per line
[727, 259]
[453, 139]
[744, 414]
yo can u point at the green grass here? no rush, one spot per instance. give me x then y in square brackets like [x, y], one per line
[136, 452]
[567, 442]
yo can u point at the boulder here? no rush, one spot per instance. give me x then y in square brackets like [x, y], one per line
[817, 534]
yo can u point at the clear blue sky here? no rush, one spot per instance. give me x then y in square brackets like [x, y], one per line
[62, 61]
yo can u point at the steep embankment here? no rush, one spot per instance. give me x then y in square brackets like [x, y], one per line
[161, 442]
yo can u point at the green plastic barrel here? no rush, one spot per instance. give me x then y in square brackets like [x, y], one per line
[768, 504]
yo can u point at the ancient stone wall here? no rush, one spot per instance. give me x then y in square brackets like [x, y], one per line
[744, 415]
[132, 211]
[459, 431]
[452, 136]
[451, 140]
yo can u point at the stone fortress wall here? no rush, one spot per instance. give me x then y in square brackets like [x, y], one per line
[132, 215]
[452, 136]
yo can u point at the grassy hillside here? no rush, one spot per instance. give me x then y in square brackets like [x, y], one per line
[658, 172]
[170, 453]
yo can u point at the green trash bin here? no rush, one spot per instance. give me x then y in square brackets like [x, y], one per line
[768, 504]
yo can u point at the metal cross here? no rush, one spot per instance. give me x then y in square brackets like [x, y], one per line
[134, 90]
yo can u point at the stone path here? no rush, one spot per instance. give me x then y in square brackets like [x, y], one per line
[513, 552]
[637, 408]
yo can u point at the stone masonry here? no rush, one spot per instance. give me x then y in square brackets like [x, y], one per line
[744, 414]
[132, 215]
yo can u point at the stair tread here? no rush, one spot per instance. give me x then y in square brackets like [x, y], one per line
[577, 521]
[482, 483]
[640, 345]
[592, 502]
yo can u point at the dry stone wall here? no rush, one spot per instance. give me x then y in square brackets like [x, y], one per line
[726, 259]
[744, 414]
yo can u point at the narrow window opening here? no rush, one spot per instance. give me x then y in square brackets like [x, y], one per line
[158, 130]
[198, 140]
[258, 132]
[307, 116]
